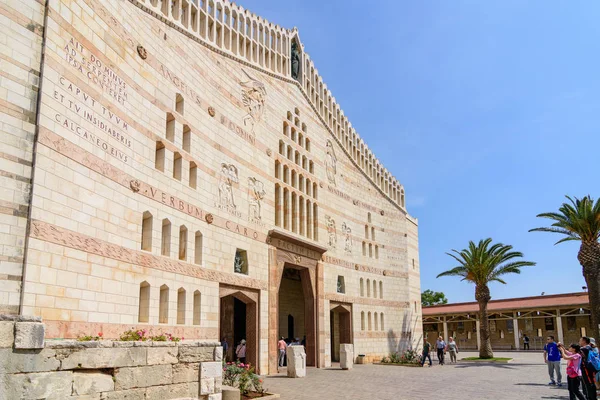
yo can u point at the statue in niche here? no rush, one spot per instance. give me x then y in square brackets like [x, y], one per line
[330, 163]
[331, 231]
[256, 192]
[254, 95]
[295, 56]
[229, 176]
[347, 238]
[238, 262]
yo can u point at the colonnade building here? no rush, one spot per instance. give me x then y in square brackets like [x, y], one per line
[180, 166]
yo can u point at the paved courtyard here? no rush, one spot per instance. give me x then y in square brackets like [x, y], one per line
[525, 377]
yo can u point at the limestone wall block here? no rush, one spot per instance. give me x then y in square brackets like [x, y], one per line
[296, 362]
[129, 378]
[207, 385]
[196, 354]
[346, 356]
[186, 372]
[212, 369]
[216, 396]
[181, 390]
[40, 385]
[230, 393]
[18, 361]
[105, 358]
[218, 355]
[92, 383]
[133, 394]
[7, 334]
[162, 355]
[29, 335]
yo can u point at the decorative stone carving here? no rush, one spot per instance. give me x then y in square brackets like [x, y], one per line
[321, 185]
[296, 362]
[211, 111]
[330, 163]
[381, 212]
[331, 231]
[229, 176]
[209, 218]
[269, 152]
[346, 355]
[142, 52]
[384, 273]
[135, 185]
[256, 193]
[347, 238]
[254, 95]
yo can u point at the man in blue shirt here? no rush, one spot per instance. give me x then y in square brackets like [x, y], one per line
[552, 358]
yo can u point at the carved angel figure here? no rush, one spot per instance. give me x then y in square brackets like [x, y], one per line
[256, 192]
[347, 238]
[331, 231]
[229, 176]
[330, 163]
[254, 95]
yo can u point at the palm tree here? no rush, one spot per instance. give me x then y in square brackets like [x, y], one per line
[580, 220]
[482, 264]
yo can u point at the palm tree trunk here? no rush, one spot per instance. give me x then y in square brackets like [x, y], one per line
[589, 258]
[482, 295]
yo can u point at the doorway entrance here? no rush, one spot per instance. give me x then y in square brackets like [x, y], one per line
[340, 328]
[238, 320]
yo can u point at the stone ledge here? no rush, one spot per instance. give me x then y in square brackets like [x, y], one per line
[19, 318]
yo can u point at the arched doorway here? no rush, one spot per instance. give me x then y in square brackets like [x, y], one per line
[340, 327]
[238, 319]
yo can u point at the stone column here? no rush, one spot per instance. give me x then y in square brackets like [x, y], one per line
[275, 273]
[321, 333]
[302, 217]
[477, 326]
[296, 214]
[445, 330]
[559, 327]
[516, 330]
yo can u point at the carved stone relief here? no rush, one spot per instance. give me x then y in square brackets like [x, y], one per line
[256, 193]
[254, 95]
[347, 238]
[331, 163]
[229, 176]
[332, 236]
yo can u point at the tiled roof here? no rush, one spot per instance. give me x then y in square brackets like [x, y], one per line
[554, 300]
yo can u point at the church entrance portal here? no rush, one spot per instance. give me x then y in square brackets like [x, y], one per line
[340, 325]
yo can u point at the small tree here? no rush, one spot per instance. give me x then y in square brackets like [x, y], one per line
[482, 264]
[431, 298]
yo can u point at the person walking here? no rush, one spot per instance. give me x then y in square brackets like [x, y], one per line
[552, 359]
[525, 342]
[426, 353]
[452, 349]
[281, 345]
[588, 371]
[573, 358]
[225, 346]
[240, 351]
[441, 349]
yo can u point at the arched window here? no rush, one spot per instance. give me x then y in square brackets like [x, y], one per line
[369, 321]
[179, 103]
[170, 127]
[183, 242]
[372, 233]
[381, 317]
[144, 307]
[366, 232]
[181, 306]
[374, 288]
[380, 289]
[362, 320]
[362, 287]
[376, 252]
[198, 248]
[177, 166]
[163, 305]
[375, 320]
[197, 303]
[364, 247]
[369, 217]
[315, 222]
[193, 175]
[147, 231]
[371, 250]
[159, 157]
[166, 238]
[187, 139]
[341, 286]
[368, 288]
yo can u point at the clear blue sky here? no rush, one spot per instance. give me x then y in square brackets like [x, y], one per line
[486, 111]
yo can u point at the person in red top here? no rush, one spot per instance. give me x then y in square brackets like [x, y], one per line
[573, 357]
[281, 345]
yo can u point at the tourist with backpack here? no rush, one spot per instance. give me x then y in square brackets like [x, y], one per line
[590, 365]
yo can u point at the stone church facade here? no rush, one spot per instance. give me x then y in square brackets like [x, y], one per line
[181, 166]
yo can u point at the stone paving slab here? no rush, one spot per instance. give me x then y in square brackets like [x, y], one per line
[526, 377]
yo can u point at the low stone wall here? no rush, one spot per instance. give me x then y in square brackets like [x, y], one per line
[31, 368]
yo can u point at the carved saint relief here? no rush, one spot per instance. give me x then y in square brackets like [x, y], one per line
[330, 163]
[331, 231]
[347, 238]
[229, 176]
[256, 192]
[254, 95]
